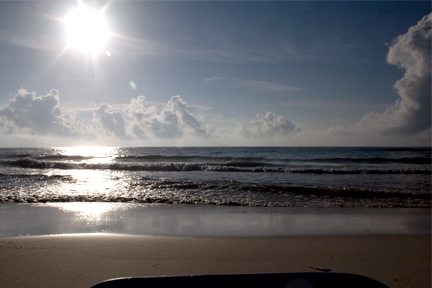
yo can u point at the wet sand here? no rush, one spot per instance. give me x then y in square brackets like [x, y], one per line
[392, 246]
[82, 260]
[207, 220]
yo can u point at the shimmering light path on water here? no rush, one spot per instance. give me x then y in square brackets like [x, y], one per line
[245, 176]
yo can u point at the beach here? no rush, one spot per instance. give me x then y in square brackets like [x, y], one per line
[72, 217]
[181, 138]
[84, 260]
[397, 257]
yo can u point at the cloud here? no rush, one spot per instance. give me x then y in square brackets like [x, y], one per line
[138, 121]
[113, 122]
[337, 130]
[257, 84]
[272, 87]
[27, 113]
[26, 38]
[269, 126]
[210, 79]
[411, 114]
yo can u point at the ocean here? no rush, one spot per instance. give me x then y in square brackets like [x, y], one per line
[238, 176]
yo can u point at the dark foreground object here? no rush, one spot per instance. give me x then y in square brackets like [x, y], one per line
[279, 280]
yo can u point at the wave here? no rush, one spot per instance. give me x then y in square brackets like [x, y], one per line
[252, 157]
[14, 155]
[64, 158]
[235, 186]
[375, 160]
[184, 158]
[48, 157]
[400, 149]
[188, 192]
[261, 161]
[40, 177]
[230, 166]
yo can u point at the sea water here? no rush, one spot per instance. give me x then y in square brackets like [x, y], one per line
[243, 176]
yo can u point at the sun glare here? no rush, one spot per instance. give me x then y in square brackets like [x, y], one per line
[94, 153]
[86, 30]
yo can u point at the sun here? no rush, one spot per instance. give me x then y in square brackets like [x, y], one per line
[86, 30]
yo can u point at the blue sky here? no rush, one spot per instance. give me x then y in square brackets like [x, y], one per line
[344, 73]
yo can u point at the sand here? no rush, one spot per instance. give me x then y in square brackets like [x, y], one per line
[82, 260]
[207, 220]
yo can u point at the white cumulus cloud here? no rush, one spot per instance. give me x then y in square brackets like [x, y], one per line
[269, 126]
[27, 113]
[113, 122]
[139, 121]
[411, 114]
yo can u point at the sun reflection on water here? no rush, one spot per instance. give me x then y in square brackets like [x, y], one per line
[85, 208]
[91, 154]
[91, 181]
[91, 212]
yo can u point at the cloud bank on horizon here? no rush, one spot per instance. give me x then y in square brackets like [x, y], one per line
[29, 115]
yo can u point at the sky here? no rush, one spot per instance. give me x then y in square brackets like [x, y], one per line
[216, 73]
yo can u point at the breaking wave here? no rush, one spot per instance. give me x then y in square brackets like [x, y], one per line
[230, 166]
[221, 193]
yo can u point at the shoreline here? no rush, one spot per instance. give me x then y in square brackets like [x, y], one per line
[206, 220]
[82, 260]
[99, 241]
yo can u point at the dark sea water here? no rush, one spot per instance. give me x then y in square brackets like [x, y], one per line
[269, 176]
